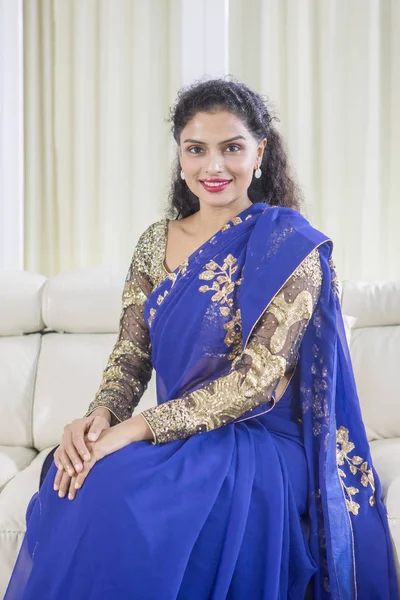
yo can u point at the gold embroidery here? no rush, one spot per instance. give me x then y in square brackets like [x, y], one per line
[151, 316]
[310, 266]
[334, 278]
[287, 314]
[219, 402]
[149, 252]
[161, 297]
[222, 276]
[133, 294]
[173, 277]
[343, 448]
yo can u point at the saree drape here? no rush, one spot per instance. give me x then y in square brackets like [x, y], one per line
[257, 508]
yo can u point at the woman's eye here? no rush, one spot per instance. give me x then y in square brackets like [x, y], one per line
[193, 149]
[233, 148]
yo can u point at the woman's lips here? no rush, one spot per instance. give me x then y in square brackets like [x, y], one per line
[215, 186]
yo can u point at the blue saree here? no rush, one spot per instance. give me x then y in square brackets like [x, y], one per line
[280, 499]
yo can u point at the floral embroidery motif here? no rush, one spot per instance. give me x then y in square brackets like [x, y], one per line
[343, 448]
[334, 278]
[173, 277]
[223, 287]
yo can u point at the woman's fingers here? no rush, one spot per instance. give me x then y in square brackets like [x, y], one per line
[66, 463]
[72, 454]
[98, 425]
[87, 466]
[78, 439]
[56, 458]
[64, 484]
[72, 490]
[57, 479]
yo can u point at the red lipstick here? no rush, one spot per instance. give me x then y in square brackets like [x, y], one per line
[215, 185]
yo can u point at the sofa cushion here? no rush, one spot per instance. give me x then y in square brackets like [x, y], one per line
[84, 300]
[386, 458]
[374, 353]
[374, 347]
[374, 303]
[13, 459]
[18, 360]
[20, 302]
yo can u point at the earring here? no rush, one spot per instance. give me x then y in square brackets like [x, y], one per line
[182, 175]
[257, 173]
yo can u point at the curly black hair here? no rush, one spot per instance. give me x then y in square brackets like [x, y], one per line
[276, 185]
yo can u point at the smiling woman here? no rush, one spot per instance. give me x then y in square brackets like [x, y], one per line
[229, 488]
[218, 165]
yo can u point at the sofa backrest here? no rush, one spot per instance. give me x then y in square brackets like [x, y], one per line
[375, 352]
[61, 368]
[20, 324]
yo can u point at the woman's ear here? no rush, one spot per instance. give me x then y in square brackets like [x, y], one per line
[261, 148]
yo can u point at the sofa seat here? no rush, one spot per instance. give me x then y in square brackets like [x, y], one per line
[14, 459]
[386, 458]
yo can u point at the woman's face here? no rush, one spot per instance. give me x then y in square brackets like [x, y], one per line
[218, 155]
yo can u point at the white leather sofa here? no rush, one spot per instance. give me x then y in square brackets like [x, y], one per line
[55, 337]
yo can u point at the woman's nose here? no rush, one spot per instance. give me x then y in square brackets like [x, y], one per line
[214, 162]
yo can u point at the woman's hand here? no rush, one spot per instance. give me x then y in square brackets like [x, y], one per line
[65, 483]
[73, 449]
[112, 439]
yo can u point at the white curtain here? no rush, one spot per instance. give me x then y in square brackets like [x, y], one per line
[99, 78]
[332, 72]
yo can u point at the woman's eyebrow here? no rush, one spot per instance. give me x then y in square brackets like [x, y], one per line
[237, 137]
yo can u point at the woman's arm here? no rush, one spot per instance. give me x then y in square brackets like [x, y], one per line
[129, 367]
[269, 357]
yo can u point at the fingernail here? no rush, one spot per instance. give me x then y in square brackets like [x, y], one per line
[87, 457]
[78, 467]
[55, 487]
[76, 485]
[70, 497]
[61, 494]
[70, 472]
[92, 436]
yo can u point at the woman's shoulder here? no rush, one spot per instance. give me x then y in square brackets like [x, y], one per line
[153, 234]
[288, 219]
[149, 251]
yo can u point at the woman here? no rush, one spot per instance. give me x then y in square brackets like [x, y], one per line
[252, 477]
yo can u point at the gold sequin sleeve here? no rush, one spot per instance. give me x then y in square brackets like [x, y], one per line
[267, 361]
[129, 367]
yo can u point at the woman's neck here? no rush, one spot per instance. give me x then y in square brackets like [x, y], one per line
[209, 219]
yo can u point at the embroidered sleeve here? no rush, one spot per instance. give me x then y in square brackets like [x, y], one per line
[267, 361]
[129, 367]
